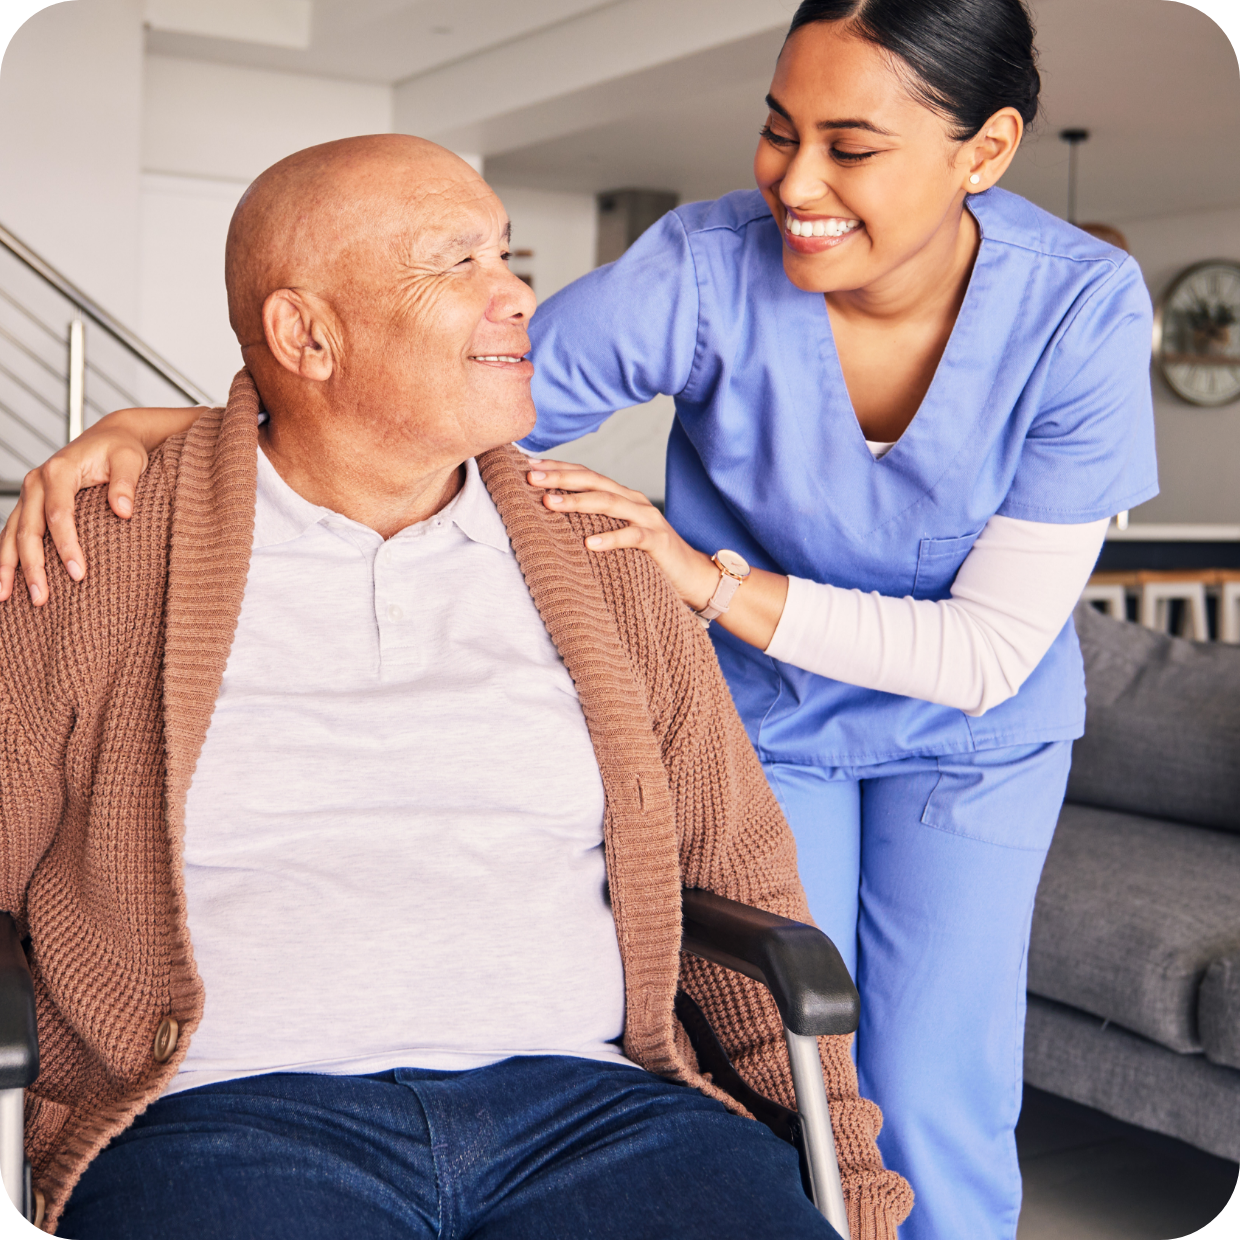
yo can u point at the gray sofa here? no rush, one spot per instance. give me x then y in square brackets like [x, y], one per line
[1134, 965]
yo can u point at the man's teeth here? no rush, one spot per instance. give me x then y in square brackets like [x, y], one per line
[500, 357]
[833, 227]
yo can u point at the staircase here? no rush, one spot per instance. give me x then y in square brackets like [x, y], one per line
[64, 363]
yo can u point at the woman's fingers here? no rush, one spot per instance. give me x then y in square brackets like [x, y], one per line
[8, 556]
[29, 528]
[691, 573]
[125, 467]
[638, 512]
[564, 476]
[612, 540]
[48, 503]
[60, 485]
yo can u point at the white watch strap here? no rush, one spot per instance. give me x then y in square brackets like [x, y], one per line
[720, 600]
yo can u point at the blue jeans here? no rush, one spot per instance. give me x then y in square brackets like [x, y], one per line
[923, 873]
[531, 1148]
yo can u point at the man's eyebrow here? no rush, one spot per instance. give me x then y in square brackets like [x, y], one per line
[453, 246]
[463, 241]
[851, 123]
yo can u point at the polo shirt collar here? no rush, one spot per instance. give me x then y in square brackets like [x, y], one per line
[282, 515]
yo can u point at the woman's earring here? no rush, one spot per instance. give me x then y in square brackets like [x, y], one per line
[975, 179]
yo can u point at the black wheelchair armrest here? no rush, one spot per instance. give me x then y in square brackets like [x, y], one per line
[797, 963]
[19, 1041]
[807, 979]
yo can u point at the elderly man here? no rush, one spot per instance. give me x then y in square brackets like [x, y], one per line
[347, 802]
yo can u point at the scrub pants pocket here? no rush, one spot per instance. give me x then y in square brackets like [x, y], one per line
[1009, 797]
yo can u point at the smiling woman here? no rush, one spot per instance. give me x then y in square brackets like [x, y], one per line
[907, 404]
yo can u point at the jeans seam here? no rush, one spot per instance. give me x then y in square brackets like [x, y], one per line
[447, 1229]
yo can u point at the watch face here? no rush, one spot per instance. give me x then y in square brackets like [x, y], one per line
[1197, 334]
[735, 564]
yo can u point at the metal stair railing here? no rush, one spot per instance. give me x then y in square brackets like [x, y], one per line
[65, 362]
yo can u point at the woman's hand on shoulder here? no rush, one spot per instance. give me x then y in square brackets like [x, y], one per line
[115, 450]
[574, 488]
[756, 608]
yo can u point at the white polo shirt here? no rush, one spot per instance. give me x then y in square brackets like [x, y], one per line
[394, 845]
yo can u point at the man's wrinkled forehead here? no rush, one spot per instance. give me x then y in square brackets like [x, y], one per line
[447, 221]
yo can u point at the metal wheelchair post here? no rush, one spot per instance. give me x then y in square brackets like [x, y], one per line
[815, 996]
[12, 1153]
[816, 1131]
[19, 1065]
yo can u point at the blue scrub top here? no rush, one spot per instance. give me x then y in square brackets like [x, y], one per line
[1040, 409]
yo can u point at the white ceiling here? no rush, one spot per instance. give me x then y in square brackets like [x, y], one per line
[667, 94]
[383, 40]
[1155, 82]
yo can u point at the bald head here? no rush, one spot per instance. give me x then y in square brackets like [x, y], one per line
[324, 218]
[368, 284]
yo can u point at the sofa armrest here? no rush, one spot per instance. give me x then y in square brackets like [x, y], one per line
[1218, 1011]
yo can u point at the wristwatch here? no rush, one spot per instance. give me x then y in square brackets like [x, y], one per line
[733, 569]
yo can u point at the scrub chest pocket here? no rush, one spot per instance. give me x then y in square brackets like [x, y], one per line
[938, 562]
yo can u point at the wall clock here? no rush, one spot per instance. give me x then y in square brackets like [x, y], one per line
[1197, 333]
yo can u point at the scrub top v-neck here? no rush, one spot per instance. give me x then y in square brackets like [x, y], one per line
[1040, 409]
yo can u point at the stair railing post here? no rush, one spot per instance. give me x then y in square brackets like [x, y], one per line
[77, 378]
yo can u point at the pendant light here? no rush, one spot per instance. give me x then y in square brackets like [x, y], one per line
[1104, 232]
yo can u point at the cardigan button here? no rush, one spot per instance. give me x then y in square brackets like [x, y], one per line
[166, 1039]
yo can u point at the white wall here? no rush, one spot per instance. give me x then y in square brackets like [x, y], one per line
[631, 447]
[184, 312]
[209, 120]
[70, 125]
[207, 131]
[1198, 449]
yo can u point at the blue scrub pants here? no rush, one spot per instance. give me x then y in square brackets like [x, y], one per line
[923, 872]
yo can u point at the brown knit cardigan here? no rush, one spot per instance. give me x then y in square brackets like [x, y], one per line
[105, 698]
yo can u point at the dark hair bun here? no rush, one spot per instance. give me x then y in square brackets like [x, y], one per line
[969, 57]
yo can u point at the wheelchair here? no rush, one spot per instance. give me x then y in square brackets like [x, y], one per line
[797, 963]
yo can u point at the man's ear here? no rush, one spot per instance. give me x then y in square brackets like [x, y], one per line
[299, 332]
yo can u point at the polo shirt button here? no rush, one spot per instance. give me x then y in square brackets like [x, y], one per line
[395, 613]
[166, 1039]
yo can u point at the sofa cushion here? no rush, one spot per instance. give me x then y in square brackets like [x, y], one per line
[1218, 1011]
[1130, 914]
[1104, 1066]
[1162, 724]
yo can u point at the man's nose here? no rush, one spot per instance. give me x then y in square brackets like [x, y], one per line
[512, 298]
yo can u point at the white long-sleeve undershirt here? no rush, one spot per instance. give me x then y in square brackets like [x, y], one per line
[1011, 597]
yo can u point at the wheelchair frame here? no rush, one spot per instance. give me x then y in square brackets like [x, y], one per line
[797, 963]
